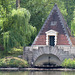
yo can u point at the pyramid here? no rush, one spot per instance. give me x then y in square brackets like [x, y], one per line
[54, 26]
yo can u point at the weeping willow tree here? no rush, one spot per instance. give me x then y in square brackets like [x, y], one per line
[16, 29]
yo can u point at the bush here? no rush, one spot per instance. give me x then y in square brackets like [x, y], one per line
[13, 62]
[68, 63]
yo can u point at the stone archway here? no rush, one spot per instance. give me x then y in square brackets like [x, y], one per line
[41, 54]
[47, 59]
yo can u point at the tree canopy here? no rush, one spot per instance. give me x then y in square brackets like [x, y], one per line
[18, 27]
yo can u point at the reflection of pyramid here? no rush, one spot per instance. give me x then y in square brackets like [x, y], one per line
[56, 26]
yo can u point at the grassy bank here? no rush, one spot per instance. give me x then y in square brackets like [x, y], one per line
[15, 52]
[10, 59]
[10, 62]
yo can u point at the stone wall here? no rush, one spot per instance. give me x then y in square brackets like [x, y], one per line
[32, 53]
[70, 49]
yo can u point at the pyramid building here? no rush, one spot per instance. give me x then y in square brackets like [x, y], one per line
[55, 31]
[54, 42]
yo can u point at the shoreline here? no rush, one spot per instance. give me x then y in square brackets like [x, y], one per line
[36, 69]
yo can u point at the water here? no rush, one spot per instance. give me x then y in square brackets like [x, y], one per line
[36, 73]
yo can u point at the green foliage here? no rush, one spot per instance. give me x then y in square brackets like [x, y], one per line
[18, 27]
[73, 24]
[5, 8]
[68, 63]
[14, 52]
[13, 62]
[69, 6]
[40, 10]
[17, 30]
[7, 5]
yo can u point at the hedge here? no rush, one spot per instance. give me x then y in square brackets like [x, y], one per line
[13, 62]
[68, 63]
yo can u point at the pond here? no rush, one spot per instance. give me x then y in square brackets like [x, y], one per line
[36, 73]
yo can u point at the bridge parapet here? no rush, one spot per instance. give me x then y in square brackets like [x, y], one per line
[70, 49]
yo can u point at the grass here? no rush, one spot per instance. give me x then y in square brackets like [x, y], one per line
[13, 52]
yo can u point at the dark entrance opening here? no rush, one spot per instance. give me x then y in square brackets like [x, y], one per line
[51, 40]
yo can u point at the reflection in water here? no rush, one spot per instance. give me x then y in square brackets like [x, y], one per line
[14, 73]
[36, 73]
[68, 73]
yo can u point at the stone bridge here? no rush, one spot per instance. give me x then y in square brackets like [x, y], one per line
[44, 55]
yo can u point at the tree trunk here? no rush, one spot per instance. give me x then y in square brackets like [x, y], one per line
[17, 4]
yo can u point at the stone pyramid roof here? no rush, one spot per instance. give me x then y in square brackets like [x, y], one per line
[56, 22]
